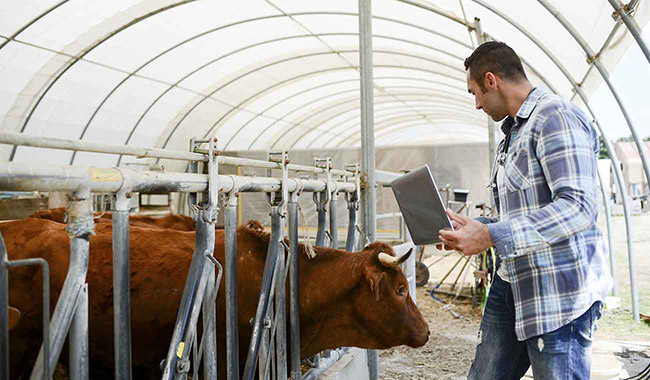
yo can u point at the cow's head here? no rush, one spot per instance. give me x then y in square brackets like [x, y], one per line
[385, 306]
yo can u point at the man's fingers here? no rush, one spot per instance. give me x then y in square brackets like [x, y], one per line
[456, 217]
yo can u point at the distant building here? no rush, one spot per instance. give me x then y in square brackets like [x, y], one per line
[632, 168]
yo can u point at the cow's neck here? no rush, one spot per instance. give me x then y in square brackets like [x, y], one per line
[327, 287]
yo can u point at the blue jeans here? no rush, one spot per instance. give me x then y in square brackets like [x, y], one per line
[558, 355]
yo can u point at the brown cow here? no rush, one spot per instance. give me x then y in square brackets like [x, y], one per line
[172, 221]
[346, 298]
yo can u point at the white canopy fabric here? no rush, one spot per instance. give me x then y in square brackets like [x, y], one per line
[270, 75]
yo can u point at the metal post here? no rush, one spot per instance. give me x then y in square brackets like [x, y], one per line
[493, 131]
[281, 317]
[209, 326]
[294, 300]
[80, 226]
[4, 311]
[639, 143]
[321, 200]
[608, 215]
[78, 354]
[334, 225]
[368, 195]
[121, 287]
[232, 327]
[632, 26]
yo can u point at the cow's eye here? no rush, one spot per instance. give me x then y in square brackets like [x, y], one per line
[401, 291]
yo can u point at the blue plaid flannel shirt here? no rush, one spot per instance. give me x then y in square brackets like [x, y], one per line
[546, 232]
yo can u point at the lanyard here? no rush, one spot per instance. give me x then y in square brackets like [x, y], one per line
[499, 159]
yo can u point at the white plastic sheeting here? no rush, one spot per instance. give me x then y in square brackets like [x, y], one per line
[268, 75]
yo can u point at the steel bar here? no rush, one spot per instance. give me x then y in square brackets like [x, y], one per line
[232, 328]
[4, 311]
[177, 345]
[78, 337]
[321, 207]
[639, 143]
[294, 300]
[326, 363]
[80, 226]
[121, 291]
[351, 242]
[263, 301]
[334, 225]
[209, 335]
[632, 26]
[368, 192]
[40, 177]
[615, 162]
[608, 217]
[4, 292]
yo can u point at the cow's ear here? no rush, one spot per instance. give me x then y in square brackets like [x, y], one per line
[14, 316]
[375, 283]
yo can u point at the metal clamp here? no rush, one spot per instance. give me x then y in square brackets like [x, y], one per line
[353, 198]
[278, 200]
[209, 199]
[322, 199]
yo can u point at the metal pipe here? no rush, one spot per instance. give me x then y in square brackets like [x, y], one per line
[177, 345]
[209, 336]
[294, 300]
[334, 225]
[632, 26]
[263, 301]
[368, 194]
[80, 226]
[608, 217]
[639, 143]
[40, 177]
[78, 337]
[326, 363]
[351, 242]
[232, 327]
[121, 290]
[615, 163]
[4, 341]
[321, 207]
[4, 311]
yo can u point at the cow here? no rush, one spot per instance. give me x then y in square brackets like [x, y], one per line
[171, 221]
[356, 299]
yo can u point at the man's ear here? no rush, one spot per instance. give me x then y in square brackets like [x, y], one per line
[490, 80]
[375, 283]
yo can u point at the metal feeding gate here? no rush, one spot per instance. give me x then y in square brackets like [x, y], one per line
[267, 353]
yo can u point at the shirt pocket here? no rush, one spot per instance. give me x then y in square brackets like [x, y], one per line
[516, 172]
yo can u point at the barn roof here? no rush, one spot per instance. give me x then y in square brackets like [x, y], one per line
[274, 74]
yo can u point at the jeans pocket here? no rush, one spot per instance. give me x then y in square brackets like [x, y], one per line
[584, 326]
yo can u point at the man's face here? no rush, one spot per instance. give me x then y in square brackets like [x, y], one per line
[490, 100]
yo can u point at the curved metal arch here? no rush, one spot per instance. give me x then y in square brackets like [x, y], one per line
[403, 140]
[378, 115]
[391, 128]
[380, 126]
[254, 20]
[289, 79]
[632, 26]
[32, 22]
[333, 137]
[76, 59]
[351, 100]
[469, 102]
[569, 77]
[329, 84]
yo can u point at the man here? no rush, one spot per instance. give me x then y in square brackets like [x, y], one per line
[548, 292]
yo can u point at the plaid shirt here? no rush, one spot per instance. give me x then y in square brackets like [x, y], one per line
[546, 232]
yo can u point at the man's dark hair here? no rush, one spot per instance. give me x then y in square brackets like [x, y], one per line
[497, 58]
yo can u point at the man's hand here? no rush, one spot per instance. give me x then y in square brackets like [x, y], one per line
[469, 238]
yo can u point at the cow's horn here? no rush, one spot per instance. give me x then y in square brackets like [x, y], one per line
[388, 260]
[405, 256]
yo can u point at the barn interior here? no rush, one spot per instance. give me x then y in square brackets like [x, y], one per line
[296, 114]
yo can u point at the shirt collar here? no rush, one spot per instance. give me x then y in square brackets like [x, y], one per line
[526, 108]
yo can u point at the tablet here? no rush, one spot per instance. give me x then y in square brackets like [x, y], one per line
[421, 205]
